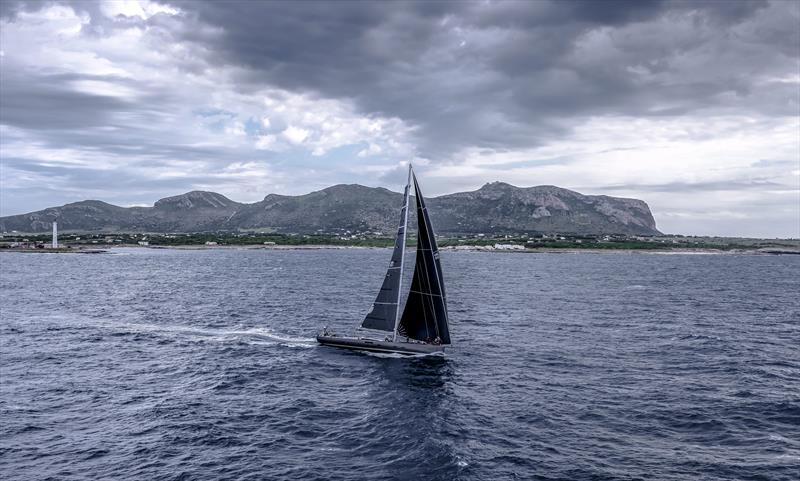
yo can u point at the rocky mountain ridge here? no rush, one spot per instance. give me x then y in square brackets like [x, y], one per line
[496, 207]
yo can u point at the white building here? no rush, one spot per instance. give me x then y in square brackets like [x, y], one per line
[509, 247]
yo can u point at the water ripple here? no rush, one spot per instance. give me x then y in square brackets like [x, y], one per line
[179, 365]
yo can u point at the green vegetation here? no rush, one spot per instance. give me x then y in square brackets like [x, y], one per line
[533, 242]
[240, 239]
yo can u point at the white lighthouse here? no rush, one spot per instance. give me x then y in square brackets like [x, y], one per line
[55, 235]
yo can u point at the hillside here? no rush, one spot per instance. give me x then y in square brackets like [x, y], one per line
[494, 208]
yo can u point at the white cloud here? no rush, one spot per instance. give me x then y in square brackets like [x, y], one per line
[371, 150]
[236, 129]
[295, 135]
[268, 142]
[99, 87]
[135, 8]
[321, 125]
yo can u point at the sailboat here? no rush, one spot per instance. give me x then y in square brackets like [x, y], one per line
[422, 326]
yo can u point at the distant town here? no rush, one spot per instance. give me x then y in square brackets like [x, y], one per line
[98, 242]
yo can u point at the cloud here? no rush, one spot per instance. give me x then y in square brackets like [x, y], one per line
[645, 98]
[125, 97]
[514, 74]
[295, 135]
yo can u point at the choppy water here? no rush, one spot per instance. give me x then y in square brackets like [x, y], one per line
[166, 364]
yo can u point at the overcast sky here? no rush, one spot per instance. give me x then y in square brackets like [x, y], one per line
[693, 107]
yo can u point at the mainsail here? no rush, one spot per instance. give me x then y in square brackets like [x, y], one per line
[383, 316]
[425, 315]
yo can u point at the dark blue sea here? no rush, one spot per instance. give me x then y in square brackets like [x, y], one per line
[153, 364]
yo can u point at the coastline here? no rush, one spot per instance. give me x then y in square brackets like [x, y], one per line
[542, 250]
[667, 251]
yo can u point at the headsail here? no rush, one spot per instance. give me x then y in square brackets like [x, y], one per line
[425, 315]
[383, 315]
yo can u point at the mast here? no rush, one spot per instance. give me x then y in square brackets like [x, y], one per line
[402, 253]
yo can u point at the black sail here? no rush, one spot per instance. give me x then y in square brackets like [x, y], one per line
[383, 315]
[425, 315]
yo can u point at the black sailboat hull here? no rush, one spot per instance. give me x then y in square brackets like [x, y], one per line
[374, 345]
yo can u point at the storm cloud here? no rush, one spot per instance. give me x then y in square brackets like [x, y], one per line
[506, 75]
[640, 98]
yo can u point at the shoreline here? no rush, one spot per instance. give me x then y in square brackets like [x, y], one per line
[668, 251]
[543, 250]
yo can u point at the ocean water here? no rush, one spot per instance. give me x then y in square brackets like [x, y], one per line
[175, 364]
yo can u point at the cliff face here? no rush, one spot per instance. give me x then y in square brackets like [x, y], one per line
[494, 208]
[503, 207]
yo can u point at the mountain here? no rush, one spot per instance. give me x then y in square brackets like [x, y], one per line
[501, 207]
[193, 211]
[349, 207]
[494, 208]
